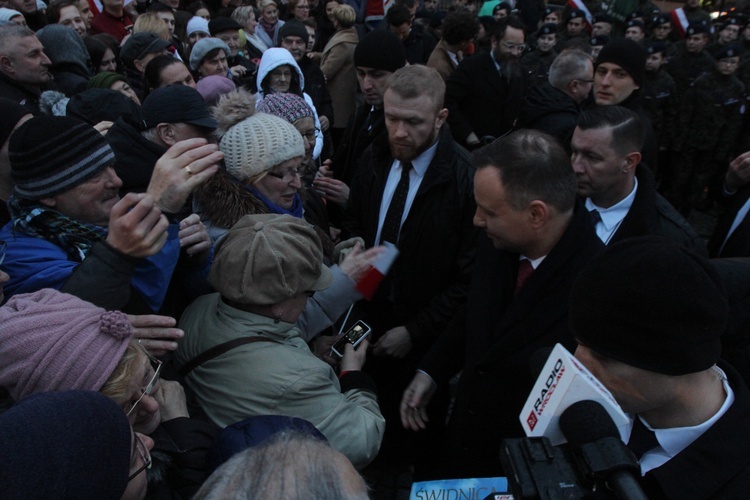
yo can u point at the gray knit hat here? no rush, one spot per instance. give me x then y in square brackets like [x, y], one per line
[253, 142]
[202, 48]
[267, 258]
[53, 154]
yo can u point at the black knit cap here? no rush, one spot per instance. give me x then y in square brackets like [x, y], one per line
[293, 27]
[628, 55]
[219, 24]
[652, 304]
[50, 155]
[380, 49]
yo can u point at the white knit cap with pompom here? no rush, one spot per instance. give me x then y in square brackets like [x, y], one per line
[255, 142]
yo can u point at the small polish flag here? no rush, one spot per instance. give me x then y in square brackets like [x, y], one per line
[369, 282]
[680, 20]
[578, 4]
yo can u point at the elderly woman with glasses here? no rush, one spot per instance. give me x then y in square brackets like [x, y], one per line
[51, 341]
[264, 162]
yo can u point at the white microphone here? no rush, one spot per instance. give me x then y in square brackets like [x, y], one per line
[562, 382]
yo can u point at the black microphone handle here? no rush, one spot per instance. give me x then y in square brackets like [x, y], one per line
[625, 486]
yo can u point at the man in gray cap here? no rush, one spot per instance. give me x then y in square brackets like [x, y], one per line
[662, 365]
[266, 269]
[169, 115]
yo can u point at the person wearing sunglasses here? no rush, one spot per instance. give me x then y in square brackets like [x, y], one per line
[90, 450]
[52, 341]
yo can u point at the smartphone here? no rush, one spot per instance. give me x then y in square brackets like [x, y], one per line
[353, 336]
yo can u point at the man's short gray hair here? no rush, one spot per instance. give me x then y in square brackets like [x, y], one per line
[568, 66]
[290, 465]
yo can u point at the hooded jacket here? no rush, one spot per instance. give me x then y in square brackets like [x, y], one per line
[71, 63]
[272, 59]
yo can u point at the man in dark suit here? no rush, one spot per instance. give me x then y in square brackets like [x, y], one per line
[731, 237]
[485, 93]
[417, 194]
[537, 238]
[662, 365]
[617, 186]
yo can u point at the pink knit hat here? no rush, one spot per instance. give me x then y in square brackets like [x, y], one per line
[52, 341]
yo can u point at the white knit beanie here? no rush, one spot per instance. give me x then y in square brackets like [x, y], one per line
[256, 143]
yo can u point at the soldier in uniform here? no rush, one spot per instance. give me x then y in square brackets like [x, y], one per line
[661, 29]
[710, 123]
[728, 34]
[636, 31]
[596, 43]
[693, 61]
[575, 27]
[660, 103]
[536, 63]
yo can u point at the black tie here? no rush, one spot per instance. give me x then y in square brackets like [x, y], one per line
[641, 439]
[595, 216]
[392, 223]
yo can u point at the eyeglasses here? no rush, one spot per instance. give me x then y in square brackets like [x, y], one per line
[303, 7]
[3, 248]
[279, 74]
[145, 456]
[311, 135]
[584, 81]
[515, 46]
[287, 175]
[156, 365]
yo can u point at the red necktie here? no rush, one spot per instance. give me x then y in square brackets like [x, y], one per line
[524, 271]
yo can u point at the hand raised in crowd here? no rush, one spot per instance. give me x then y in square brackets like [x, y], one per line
[156, 333]
[172, 401]
[396, 343]
[414, 402]
[238, 71]
[193, 236]
[137, 226]
[324, 123]
[180, 170]
[357, 261]
[354, 359]
[332, 190]
[738, 173]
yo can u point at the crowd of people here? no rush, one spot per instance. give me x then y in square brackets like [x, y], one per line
[194, 194]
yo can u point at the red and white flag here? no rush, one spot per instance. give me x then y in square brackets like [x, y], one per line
[680, 20]
[369, 282]
[578, 4]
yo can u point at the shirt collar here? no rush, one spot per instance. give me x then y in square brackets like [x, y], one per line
[421, 162]
[613, 215]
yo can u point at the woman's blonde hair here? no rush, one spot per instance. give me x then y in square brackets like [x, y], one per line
[151, 23]
[118, 386]
[345, 15]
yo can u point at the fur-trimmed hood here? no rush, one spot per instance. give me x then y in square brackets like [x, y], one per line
[222, 201]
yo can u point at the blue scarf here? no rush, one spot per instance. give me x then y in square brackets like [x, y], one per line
[295, 211]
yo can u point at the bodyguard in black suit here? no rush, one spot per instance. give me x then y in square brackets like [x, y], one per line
[537, 240]
[485, 93]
